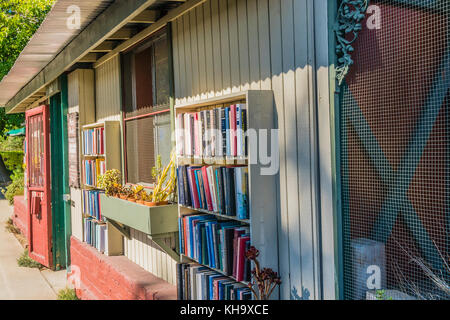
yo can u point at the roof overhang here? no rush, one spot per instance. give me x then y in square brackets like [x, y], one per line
[124, 22]
[50, 39]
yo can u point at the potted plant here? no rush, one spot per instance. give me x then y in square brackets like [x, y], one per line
[166, 181]
[131, 196]
[140, 194]
[123, 194]
[110, 182]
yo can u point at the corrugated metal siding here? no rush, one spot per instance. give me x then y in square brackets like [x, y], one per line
[145, 253]
[234, 45]
[107, 90]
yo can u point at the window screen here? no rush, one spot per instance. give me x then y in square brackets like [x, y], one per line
[395, 155]
[145, 72]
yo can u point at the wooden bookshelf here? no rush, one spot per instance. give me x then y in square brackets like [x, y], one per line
[262, 189]
[113, 160]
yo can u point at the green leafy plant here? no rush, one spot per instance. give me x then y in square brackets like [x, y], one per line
[12, 143]
[13, 160]
[15, 188]
[110, 182]
[26, 262]
[381, 295]
[19, 19]
[67, 294]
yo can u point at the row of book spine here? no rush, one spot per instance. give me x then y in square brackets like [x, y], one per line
[96, 234]
[216, 244]
[91, 203]
[223, 190]
[93, 169]
[218, 132]
[94, 141]
[196, 282]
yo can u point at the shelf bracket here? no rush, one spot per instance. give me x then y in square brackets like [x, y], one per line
[159, 240]
[124, 230]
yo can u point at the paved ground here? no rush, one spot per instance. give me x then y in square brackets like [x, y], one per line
[18, 283]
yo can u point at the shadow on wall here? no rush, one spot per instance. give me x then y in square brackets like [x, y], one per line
[305, 294]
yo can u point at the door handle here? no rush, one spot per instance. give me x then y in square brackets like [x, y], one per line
[36, 206]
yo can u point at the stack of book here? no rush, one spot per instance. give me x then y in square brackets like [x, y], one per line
[94, 141]
[217, 244]
[96, 234]
[223, 190]
[218, 132]
[196, 282]
[91, 203]
[93, 169]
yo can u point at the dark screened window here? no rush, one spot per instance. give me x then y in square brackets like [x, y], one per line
[145, 74]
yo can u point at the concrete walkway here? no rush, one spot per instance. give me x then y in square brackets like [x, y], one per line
[17, 283]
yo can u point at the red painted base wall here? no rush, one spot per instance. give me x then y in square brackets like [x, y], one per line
[20, 217]
[99, 277]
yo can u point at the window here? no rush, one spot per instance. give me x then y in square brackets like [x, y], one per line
[145, 74]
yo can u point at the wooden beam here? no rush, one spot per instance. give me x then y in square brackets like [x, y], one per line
[114, 18]
[89, 58]
[122, 34]
[148, 16]
[172, 15]
[106, 46]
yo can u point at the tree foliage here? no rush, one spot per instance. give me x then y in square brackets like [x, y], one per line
[19, 20]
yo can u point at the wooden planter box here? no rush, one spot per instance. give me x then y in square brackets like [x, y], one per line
[149, 220]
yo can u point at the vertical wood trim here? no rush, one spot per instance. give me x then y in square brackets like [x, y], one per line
[188, 55]
[253, 38]
[216, 40]
[225, 46]
[264, 44]
[234, 46]
[244, 55]
[277, 84]
[324, 13]
[209, 51]
[304, 98]
[195, 58]
[290, 127]
[201, 53]
[182, 60]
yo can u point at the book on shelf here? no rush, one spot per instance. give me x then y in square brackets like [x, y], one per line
[217, 189]
[220, 245]
[96, 234]
[93, 169]
[91, 203]
[195, 282]
[217, 132]
[94, 141]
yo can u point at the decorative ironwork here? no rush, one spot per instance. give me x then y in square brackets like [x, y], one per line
[350, 14]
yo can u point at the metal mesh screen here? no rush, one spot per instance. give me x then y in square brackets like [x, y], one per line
[395, 155]
[140, 147]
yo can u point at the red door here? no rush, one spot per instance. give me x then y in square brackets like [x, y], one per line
[38, 183]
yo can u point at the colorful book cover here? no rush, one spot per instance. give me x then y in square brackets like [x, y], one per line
[228, 132]
[233, 137]
[207, 189]
[241, 257]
